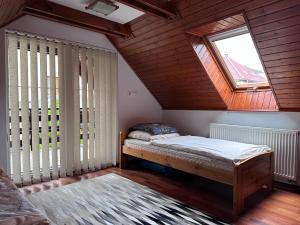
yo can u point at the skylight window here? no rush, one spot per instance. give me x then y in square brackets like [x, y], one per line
[236, 52]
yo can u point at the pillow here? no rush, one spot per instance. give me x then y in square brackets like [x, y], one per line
[163, 136]
[141, 135]
[154, 128]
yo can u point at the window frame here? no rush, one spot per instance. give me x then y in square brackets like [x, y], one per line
[229, 34]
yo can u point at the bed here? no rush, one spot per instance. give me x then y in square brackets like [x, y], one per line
[246, 171]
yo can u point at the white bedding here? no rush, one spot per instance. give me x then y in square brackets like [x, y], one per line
[203, 151]
[213, 148]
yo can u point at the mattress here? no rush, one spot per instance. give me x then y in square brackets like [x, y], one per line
[200, 160]
[215, 153]
[224, 150]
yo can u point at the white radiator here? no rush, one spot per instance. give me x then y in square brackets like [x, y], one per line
[285, 144]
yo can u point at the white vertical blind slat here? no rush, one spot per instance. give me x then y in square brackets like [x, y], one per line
[114, 94]
[98, 149]
[75, 58]
[25, 109]
[34, 111]
[53, 111]
[84, 110]
[14, 108]
[69, 104]
[61, 91]
[91, 115]
[44, 111]
[102, 108]
[108, 105]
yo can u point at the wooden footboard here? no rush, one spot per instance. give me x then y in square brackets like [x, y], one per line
[246, 177]
[250, 176]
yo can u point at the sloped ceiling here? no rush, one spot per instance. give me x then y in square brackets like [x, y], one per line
[162, 55]
[9, 10]
[164, 58]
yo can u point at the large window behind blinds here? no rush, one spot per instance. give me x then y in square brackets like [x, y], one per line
[62, 108]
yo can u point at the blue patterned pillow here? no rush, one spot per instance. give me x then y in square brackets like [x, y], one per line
[154, 128]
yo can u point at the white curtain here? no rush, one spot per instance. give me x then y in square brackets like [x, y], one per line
[62, 108]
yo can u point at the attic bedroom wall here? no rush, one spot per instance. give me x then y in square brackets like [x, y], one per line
[196, 122]
[140, 106]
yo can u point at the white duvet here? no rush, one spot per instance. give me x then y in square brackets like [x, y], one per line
[214, 148]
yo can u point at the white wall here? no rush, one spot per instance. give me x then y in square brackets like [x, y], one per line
[140, 107]
[197, 122]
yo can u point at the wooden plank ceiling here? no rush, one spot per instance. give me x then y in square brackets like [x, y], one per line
[162, 55]
[9, 10]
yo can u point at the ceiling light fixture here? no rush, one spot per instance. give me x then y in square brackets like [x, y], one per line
[105, 7]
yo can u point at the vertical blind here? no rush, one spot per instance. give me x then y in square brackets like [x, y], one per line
[62, 108]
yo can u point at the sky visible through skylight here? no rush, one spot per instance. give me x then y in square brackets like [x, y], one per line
[242, 50]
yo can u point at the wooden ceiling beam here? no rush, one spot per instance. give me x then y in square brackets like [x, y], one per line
[161, 8]
[53, 11]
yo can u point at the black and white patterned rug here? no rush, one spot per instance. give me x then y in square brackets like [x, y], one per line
[112, 199]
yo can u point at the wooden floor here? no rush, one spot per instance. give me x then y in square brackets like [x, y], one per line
[279, 208]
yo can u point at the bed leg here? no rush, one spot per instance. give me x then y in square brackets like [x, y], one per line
[123, 158]
[270, 182]
[238, 195]
[238, 203]
[123, 161]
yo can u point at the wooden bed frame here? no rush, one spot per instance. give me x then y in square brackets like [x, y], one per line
[246, 178]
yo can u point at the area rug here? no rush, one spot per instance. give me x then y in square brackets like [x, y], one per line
[112, 199]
